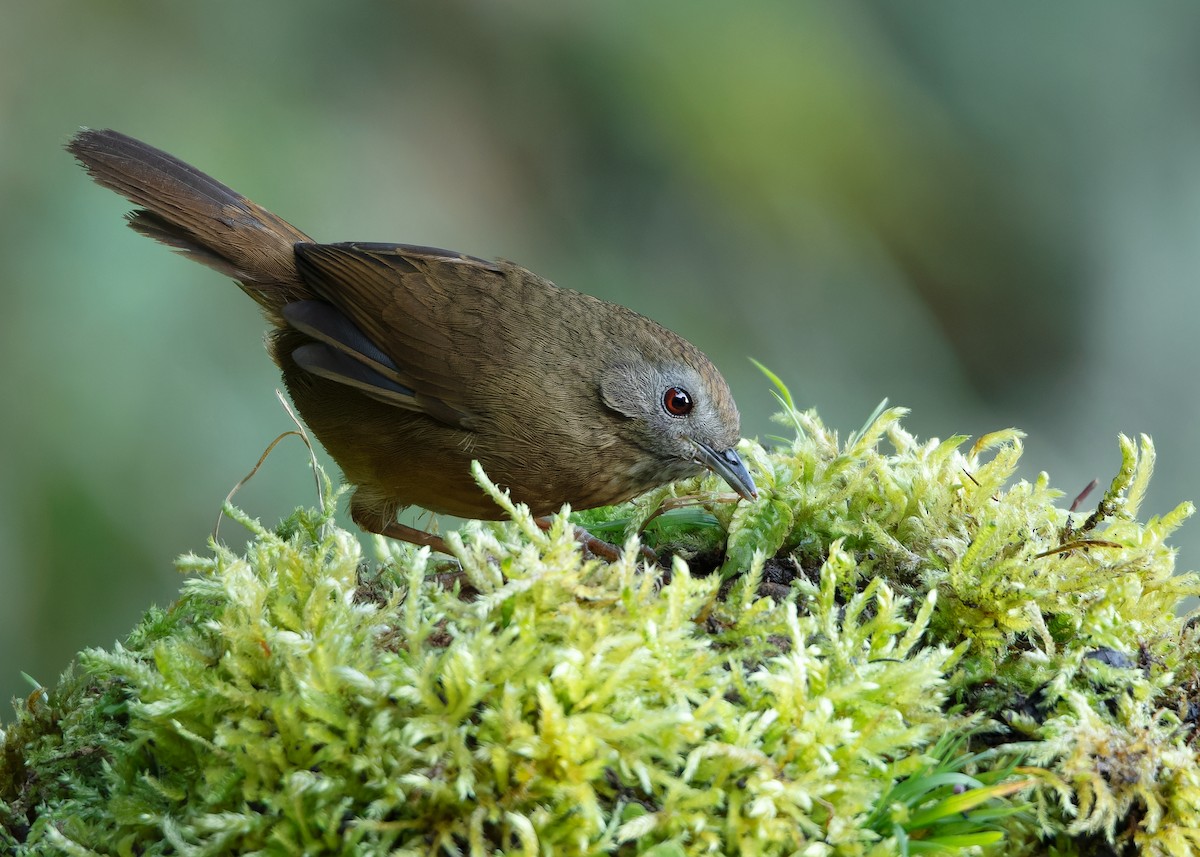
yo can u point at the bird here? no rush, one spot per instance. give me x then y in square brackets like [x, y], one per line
[409, 362]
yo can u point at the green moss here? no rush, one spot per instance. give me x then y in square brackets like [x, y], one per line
[869, 660]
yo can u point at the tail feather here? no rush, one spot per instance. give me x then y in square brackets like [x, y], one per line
[163, 231]
[195, 214]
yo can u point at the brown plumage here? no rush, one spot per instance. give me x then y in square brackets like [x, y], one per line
[408, 362]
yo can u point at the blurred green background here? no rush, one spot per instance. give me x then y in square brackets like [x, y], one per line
[986, 212]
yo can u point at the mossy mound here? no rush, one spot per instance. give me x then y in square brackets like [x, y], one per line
[889, 653]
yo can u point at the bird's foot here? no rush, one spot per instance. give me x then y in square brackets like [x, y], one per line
[598, 547]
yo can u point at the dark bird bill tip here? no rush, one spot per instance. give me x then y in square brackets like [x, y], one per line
[729, 466]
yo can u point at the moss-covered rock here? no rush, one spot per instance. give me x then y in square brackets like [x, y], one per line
[889, 652]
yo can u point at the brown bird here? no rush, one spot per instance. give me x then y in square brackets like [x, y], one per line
[408, 362]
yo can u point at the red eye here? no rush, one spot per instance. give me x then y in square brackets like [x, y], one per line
[677, 401]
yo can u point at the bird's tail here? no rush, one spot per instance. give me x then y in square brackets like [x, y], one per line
[196, 215]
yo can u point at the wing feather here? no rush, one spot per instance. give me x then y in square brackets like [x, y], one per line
[410, 316]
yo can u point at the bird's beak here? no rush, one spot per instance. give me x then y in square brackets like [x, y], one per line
[729, 466]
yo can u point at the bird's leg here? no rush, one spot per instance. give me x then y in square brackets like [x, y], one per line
[397, 530]
[598, 547]
[370, 520]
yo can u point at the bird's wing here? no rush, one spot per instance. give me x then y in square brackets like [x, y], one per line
[400, 323]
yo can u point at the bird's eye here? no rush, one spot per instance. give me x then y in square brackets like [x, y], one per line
[677, 401]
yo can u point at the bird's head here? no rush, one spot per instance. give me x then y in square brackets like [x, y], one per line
[681, 412]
